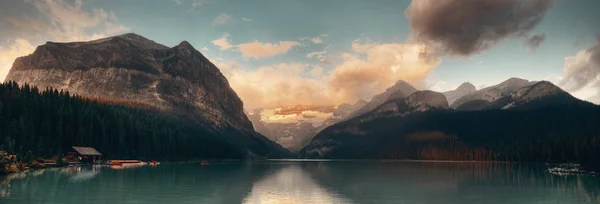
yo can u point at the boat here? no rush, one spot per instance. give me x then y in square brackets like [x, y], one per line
[566, 169]
[121, 164]
[204, 163]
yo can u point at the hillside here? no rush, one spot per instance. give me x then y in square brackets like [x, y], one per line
[544, 128]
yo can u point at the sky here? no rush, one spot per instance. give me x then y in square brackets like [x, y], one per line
[291, 52]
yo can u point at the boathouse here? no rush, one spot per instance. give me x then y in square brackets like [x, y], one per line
[86, 154]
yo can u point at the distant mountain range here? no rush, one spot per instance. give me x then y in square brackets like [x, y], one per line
[292, 126]
[295, 134]
[179, 80]
[516, 120]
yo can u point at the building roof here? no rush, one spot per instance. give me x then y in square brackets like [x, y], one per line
[87, 151]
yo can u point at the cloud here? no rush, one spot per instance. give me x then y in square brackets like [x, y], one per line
[221, 19]
[316, 54]
[57, 20]
[535, 41]
[246, 19]
[198, 3]
[582, 71]
[259, 50]
[61, 21]
[194, 4]
[204, 49]
[323, 60]
[178, 2]
[466, 27]
[18, 48]
[317, 72]
[223, 43]
[375, 67]
[316, 40]
[367, 71]
[275, 85]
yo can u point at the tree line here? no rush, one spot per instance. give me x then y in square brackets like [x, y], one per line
[45, 123]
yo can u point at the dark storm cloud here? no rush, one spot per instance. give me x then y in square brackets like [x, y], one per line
[465, 27]
[535, 41]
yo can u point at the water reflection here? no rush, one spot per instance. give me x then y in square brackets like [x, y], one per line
[291, 184]
[453, 182]
[82, 173]
[301, 182]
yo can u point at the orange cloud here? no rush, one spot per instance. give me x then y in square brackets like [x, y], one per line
[275, 85]
[375, 67]
[20, 47]
[223, 43]
[259, 50]
[368, 71]
[316, 40]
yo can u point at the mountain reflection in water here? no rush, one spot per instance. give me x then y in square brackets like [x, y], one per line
[301, 182]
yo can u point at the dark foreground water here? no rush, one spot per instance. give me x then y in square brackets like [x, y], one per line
[302, 182]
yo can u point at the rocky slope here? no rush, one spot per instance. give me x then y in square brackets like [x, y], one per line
[462, 90]
[418, 101]
[343, 110]
[399, 90]
[132, 68]
[493, 92]
[538, 95]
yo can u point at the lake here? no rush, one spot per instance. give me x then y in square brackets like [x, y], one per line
[302, 182]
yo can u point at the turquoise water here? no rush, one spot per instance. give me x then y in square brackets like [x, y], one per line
[302, 182]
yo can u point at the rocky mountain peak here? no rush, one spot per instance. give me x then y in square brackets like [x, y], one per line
[419, 101]
[132, 67]
[493, 93]
[403, 86]
[400, 89]
[466, 87]
[539, 94]
[513, 82]
[185, 45]
[538, 90]
[427, 99]
[360, 102]
[462, 90]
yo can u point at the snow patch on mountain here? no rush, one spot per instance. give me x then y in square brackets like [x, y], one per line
[493, 93]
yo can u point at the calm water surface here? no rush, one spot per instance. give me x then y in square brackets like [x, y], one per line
[302, 182]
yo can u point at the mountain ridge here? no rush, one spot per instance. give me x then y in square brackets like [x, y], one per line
[131, 67]
[492, 93]
[505, 130]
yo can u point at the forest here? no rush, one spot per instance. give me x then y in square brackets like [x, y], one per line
[565, 133]
[46, 123]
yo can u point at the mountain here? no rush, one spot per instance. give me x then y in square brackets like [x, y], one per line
[345, 109]
[493, 92]
[542, 123]
[178, 80]
[399, 90]
[291, 126]
[538, 95]
[462, 90]
[418, 101]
